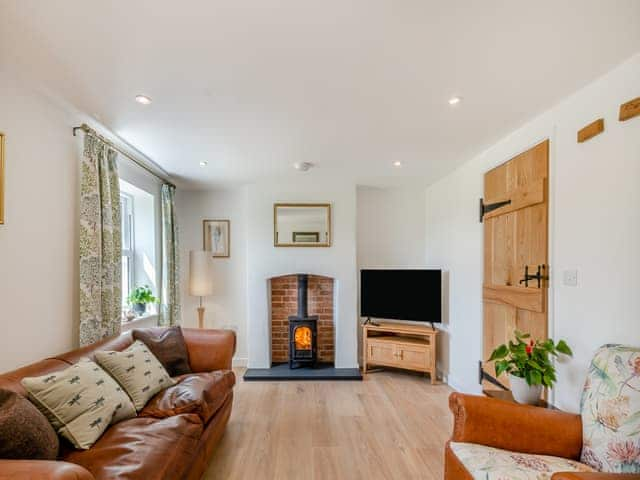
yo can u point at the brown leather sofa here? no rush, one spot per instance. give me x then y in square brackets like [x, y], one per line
[517, 428]
[173, 436]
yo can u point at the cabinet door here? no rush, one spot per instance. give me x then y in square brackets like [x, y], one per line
[381, 353]
[414, 357]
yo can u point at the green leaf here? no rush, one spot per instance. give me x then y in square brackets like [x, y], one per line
[562, 347]
[499, 353]
[535, 377]
[501, 367]
[535, 365]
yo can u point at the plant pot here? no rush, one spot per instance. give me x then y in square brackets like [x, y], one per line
[523, 392]
[140, 308]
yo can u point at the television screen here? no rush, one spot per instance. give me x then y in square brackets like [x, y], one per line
[401, 294]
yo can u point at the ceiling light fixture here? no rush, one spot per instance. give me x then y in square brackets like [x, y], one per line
[143, 99]
[397, 163]
[203, 163]
[454, 100]
[303, 166]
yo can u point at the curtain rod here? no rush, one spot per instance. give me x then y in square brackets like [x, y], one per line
[87, 129]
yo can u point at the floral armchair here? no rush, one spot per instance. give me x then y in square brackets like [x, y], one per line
[497, 440]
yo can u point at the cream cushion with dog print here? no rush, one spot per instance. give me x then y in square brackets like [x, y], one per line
[80, 402]
[138, 371]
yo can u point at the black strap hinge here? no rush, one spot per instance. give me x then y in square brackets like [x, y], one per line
[484, 209]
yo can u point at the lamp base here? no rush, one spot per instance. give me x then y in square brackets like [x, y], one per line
[200, 317]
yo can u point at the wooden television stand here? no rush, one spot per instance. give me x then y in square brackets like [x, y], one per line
[412, 347]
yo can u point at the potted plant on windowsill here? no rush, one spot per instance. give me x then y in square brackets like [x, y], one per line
[140, 297]
[528, 364]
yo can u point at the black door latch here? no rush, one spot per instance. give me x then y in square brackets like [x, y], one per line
[539, 276]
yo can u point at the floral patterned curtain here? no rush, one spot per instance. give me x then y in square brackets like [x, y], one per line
[170, 294]
[100, 249]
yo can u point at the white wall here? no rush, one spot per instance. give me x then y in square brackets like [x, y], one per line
[241, 300]
[265, 261]
[226, 308]
[594, 228]
[391, 227]
[391, 230]
[38, 243]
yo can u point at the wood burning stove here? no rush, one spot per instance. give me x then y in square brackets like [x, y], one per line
[303, 331]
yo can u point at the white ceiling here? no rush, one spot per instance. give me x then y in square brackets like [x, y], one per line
[252, 86]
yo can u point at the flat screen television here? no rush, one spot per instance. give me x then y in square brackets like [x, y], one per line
[408, 294]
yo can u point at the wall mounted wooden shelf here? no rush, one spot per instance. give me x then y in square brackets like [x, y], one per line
[630, 109]
[591, 130]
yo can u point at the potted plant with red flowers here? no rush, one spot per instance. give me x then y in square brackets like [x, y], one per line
[529, 365]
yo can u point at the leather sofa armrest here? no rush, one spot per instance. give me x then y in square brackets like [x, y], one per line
[208, 349]
[42, 470]
[595, 476]
[511, 426]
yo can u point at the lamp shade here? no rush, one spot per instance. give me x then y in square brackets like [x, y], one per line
[200, 273]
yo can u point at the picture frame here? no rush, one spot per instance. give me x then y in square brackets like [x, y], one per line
[1, 178]
[216, 237]
[306, 237]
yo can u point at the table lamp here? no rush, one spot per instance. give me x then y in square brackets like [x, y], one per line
[200, 278]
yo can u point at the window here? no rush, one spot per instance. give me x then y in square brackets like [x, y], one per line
[140, 224]
[128, 246]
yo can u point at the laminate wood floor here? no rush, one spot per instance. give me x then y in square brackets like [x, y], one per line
[392, 425]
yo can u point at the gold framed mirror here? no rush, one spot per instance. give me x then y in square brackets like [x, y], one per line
[302, 224]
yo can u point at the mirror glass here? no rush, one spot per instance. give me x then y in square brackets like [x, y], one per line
[302, 225]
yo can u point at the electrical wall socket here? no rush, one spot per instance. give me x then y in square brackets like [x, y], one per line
[570, 278]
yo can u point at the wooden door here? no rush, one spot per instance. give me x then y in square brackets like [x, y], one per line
[515, 236]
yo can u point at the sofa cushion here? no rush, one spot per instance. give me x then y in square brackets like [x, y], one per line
[137, 370]
[80, 401]
[25, 432]
[487, 463]
[610, 410]
[143, 449]
[169, 347]
[201, 393]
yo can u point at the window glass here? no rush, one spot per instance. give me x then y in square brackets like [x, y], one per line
[128, 249]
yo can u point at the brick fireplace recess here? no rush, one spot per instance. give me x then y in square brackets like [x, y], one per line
[302, 328]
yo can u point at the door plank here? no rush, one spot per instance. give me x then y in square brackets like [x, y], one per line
[519, 297]
[499, 324]
[521, 197]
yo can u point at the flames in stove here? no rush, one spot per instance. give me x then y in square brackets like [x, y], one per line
[303, 331]
[303, 338]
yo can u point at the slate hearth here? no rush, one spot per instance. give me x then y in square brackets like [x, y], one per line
[322, 371]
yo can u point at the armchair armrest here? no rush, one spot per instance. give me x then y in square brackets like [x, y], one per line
[595, 476]
[511, 426]
[42, 470]
[209, 349]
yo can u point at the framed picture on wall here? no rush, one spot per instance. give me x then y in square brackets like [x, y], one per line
[306, 237]
[1, 179]
[217, 237]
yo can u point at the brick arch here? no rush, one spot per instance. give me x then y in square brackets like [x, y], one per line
[284, 298]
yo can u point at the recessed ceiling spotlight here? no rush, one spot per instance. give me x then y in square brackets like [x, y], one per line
[303, 166]
[203, 163]
[397, 163]
[143, 99]
[454, 100]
